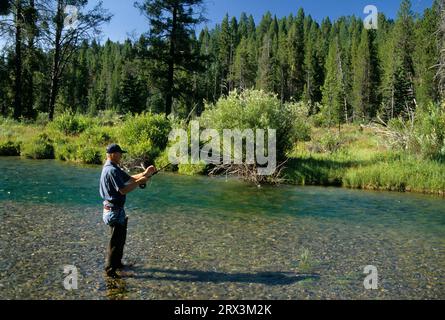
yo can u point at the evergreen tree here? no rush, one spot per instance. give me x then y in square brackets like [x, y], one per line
[225, 50]
[171, 26]
[132, 93]
[426, 55]
[245, 65]
[362, 84]
[333, 89]
[283, 61]
[313, 69]
[397, 83]
[296, 56]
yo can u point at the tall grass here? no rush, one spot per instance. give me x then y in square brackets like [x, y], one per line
[361, 160]
[424, 176]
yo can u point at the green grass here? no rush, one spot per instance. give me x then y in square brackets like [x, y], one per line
[83, 139]
[361, 160]
[402, 175]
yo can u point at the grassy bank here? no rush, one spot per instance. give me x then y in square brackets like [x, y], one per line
[358, 158]
[355, 158]
[82, 139]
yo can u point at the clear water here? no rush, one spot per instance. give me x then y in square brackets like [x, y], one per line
[221, 234]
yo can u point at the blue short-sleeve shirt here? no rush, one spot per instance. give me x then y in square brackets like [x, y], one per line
[112, 179]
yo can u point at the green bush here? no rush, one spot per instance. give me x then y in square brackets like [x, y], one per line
[425, 136]
[89, 155]
[330, 142]
[9, 148]
[72, 124]
[42, 119]
[254, 109]
[143, 151]
[192, 169]
[39, 147]
[146, 127]
[65, 151]
[141, 133]
[97, 136]
[109, 118]
[430, 131]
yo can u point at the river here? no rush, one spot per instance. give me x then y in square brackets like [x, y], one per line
[215, 238]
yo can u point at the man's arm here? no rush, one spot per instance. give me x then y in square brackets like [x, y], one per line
[133, 184]
[147, 173]
[137, 176]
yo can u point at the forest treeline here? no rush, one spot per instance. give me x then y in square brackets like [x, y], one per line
[344, 72]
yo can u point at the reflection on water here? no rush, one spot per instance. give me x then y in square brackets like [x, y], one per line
[200, 238]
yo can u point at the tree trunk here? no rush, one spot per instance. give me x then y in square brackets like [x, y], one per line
[171, 64]
[55, 70]
[18, 61]
[30, 63]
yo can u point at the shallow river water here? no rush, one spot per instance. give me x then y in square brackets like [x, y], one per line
[215, 238]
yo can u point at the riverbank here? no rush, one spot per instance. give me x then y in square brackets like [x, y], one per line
[357, 157]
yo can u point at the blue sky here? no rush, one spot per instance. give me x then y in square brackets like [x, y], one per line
[127, 19]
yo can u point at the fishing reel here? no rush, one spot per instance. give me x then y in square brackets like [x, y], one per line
[144, 166]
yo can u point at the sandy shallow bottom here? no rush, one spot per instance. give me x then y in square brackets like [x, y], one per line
[179, 255]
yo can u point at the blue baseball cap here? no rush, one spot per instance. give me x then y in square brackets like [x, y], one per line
[112, 148]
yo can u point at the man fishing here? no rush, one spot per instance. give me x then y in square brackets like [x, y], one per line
[114, 185]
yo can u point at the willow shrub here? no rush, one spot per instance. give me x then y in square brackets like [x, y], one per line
[424, 135]
[39, 147]
[9, 148]
[144, 135]
[69, 123]
[253, 109]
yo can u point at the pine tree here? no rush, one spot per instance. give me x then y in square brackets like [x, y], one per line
[268, 71]
[132, 93]
[426, 56]
[265, 65]
[18, 61]
[333, 89]
[171, 44]
[283, 61]
[397, 83]
[313, 70]
[224, 53]
[243, 30]
[296, 56]
[362, 84]
[30, 58]
[245, 65]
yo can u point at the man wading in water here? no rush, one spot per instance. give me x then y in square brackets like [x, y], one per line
[114, 185]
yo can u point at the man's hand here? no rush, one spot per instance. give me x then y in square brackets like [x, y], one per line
[142, 180]
[149, 171]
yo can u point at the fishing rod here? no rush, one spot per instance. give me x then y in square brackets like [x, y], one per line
[143, 186]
